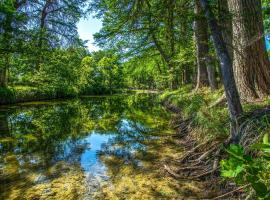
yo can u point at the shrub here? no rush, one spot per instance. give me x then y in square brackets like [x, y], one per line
[245, 169]
[7, 95]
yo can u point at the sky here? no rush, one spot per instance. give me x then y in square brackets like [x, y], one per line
[87, 28]
[267, 44]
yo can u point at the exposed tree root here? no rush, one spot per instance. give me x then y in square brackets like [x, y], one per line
[190, 168]
[200, 162]
[172, 173]
[215, 168]
[206, 154]
[231, 192]
[188, 154]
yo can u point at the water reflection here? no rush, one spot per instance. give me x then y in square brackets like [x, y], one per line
[73, 149]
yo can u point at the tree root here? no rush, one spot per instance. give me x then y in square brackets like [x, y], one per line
[231, 192]
[172, 173]
[209, 171]
[215, 168]
[190, 168]
[187, 154]
[206, 154]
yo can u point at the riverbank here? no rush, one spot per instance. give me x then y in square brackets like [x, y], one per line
[202, 124]
[23, 94]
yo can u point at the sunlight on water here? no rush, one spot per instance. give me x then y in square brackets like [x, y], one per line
[90, 148]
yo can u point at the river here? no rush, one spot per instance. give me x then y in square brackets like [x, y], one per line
[110, 147]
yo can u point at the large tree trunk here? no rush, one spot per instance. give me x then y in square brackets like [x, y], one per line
[225, 24]
[211, 73]
[251, 63]
[202, 48]
[234, 104]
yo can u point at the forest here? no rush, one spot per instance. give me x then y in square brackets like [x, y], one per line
[176, 99]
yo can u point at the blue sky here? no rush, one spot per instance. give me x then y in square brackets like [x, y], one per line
[267, 43]
[87, 28]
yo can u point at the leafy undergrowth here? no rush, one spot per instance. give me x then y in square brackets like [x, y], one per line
[209, 127]
[250, 171]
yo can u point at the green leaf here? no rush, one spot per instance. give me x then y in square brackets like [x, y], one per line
[227, 173]
[261, 146]
[247, 158]
[236, 151]
[265, 139]
[260, 188]
[252, 179]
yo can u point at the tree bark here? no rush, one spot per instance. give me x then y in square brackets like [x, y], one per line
[234, 104]
[202, 48]
[251, 63]
[225, 24]
[211, 73]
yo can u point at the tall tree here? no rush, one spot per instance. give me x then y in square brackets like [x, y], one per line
[205, 68]
[234, 104]
[10, 21]
[225, 24]
[136, 27]
[202, 48]
[251, 63]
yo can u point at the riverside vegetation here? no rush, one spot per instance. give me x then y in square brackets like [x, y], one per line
[206, 59]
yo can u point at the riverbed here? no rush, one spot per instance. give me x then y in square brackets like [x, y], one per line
[110, 147]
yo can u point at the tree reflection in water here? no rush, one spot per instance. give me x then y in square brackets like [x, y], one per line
[80, 148]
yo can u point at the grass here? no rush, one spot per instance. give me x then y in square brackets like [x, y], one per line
[213, 123]
[209, 122]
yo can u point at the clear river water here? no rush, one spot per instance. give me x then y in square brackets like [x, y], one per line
[107, 147]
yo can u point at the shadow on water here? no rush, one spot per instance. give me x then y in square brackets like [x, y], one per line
[89, 148]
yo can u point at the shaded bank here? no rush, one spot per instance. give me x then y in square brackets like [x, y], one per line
[31, 94]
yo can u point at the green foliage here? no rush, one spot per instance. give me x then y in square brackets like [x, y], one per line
[63, 74]
[245, 169]
[209, 122]
[266, 13]
[149, 35]
[110, 72]
[7, 95]
[145, 72]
